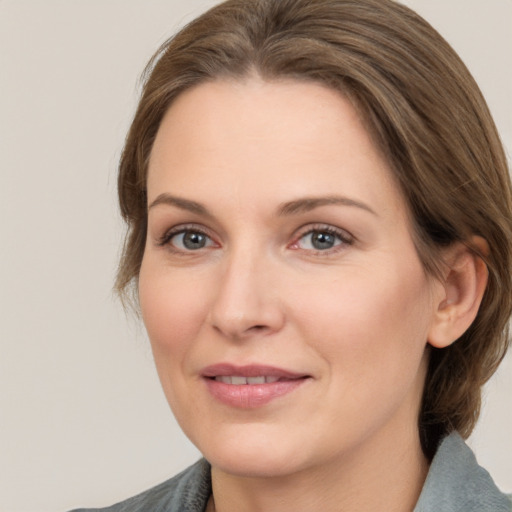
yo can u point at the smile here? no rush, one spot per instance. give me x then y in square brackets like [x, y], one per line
[252, 386]
[238, 380]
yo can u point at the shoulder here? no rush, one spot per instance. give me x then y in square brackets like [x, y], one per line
[187, 492]
[456, 483]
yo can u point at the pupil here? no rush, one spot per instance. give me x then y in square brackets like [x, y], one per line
[323, 240]
[193, 240]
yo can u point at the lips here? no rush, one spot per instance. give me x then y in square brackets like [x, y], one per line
[252, 386]
[238, 380]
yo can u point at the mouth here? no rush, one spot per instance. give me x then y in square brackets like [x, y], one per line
[252, 386]
[239, 380]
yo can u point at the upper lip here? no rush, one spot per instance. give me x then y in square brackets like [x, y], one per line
[251, 370]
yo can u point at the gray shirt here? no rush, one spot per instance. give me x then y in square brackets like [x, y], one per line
[455, 483]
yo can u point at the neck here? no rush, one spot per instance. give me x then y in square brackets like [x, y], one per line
[379, 476]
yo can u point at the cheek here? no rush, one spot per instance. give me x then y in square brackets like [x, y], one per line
[172, 309]
[370, 321]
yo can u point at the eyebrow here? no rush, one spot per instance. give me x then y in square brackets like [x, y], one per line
[307, 204]
[294, 207]
[182, 204]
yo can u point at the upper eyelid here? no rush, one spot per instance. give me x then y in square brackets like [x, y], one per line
[168, 234]
[295, 237]
[311, 227]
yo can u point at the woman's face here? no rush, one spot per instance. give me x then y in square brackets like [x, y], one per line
[287, 308]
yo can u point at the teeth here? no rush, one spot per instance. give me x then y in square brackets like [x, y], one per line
[239, 381]
[255, 380]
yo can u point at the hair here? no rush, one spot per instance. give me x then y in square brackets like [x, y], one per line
[424, 111]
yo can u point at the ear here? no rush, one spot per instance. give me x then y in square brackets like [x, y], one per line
[461, 292]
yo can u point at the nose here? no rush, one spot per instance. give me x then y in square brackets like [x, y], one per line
[247, 301]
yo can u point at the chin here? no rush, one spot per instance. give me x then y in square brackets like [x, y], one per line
[254, 455]
[255, 465]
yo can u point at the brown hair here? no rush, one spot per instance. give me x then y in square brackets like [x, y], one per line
[425, 112]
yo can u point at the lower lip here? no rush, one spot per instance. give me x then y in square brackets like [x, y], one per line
[250, 396]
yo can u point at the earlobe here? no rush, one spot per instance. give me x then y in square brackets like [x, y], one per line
[461, 292]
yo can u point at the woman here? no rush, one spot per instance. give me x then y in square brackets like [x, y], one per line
[320, 231]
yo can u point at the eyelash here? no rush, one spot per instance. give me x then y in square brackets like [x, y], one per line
[165, 239]
[345, 238]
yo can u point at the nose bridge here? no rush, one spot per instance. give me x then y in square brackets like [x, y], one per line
[246, 302]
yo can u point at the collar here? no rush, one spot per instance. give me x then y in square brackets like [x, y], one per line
[456, 483]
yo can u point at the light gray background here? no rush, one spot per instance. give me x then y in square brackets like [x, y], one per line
[82, 417]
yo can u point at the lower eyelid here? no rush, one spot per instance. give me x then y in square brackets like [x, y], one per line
[343, 238]
[171, 233]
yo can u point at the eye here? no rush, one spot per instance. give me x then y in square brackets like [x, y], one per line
[323, 239]
[187, 240]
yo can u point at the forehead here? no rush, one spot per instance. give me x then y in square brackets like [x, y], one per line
[226, 137]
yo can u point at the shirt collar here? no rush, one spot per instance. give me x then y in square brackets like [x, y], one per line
[456, 483]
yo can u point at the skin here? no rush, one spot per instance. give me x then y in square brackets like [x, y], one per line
[356, 317]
